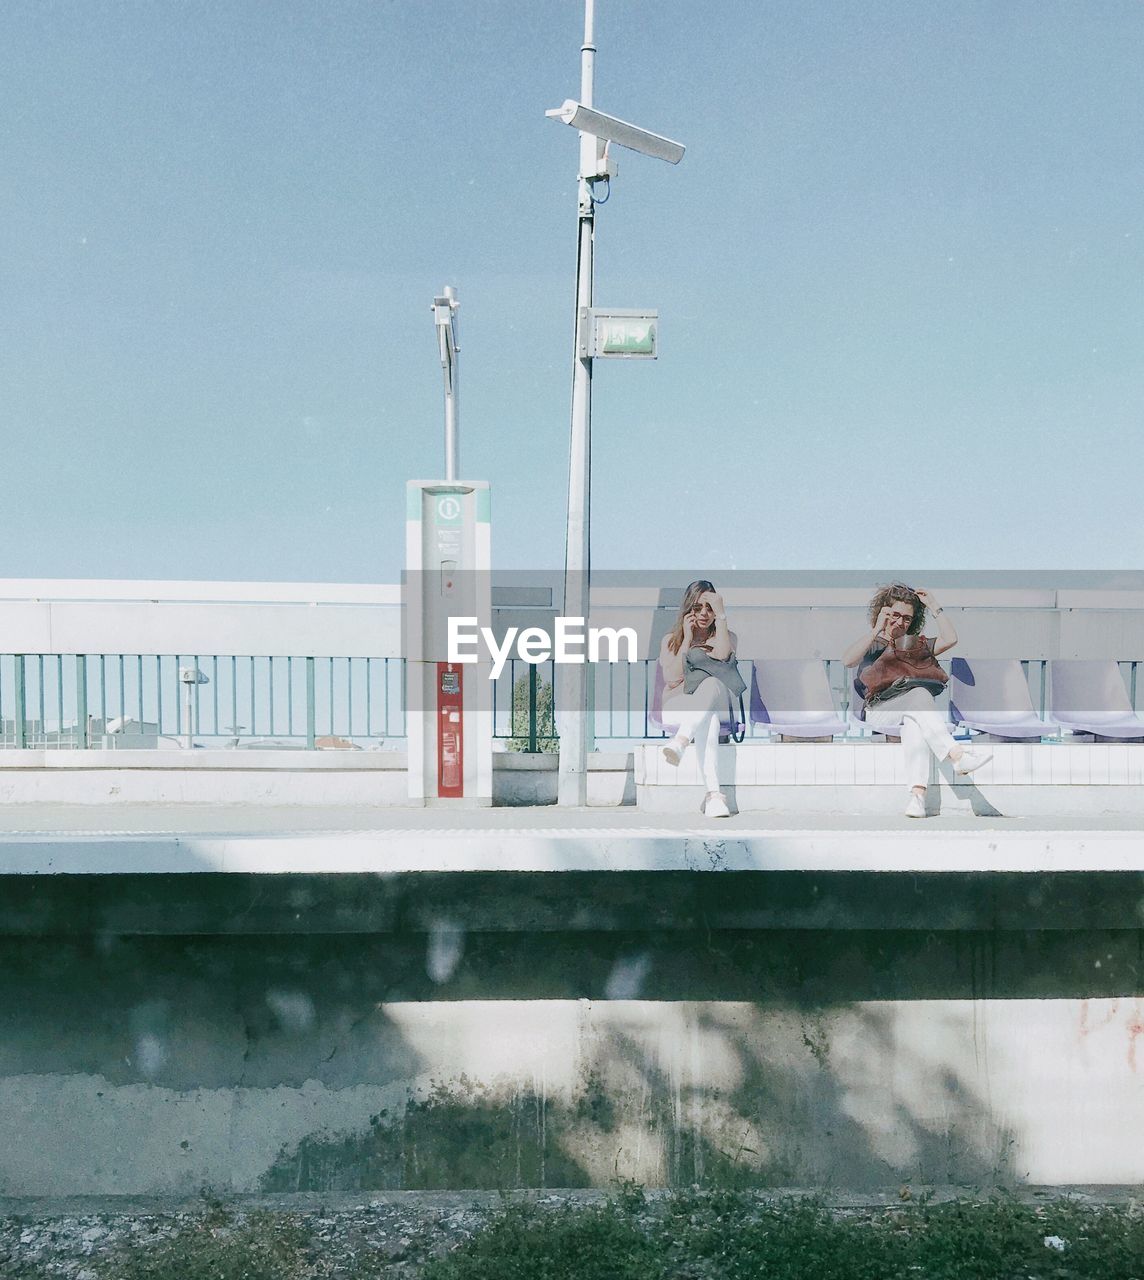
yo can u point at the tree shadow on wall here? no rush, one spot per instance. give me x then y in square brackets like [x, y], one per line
[761, 1097]
[737, 1058]
[789, 1057]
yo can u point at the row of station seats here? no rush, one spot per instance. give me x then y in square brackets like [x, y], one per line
[791, 697]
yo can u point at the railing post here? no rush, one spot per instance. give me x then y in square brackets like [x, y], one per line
[81, 737]
[532, 706]
[1044, 686]
[311, 711]
[647, 676]
[20, 724]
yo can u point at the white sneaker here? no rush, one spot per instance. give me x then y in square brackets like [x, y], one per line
[715, 806]
[916, 806]
[971, 760]
[673, 750]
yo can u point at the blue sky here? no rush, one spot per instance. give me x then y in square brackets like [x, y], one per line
[898, 272]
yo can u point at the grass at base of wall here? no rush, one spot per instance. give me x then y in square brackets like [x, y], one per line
[694, 1235]
[213, 1246]
[734, 1236]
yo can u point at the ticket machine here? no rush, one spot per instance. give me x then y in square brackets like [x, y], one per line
[448, 705]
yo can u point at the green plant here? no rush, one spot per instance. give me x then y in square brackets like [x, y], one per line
[689, 1235]
[968, 1241]
[525, 687]
[733, 1237]
[599, 1243]
[728, 1235]
[262, 1246]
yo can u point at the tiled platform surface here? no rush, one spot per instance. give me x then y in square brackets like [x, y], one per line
[1041, 779]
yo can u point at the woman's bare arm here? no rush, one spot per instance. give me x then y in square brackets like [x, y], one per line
[853, 656]
[946, 632]
[671, 664]
[721, 644]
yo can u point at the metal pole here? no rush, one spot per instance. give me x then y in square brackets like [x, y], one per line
[311, 712]
[532, 706]
[572, 786]
[21, 725]
[445, 317]
[81, 734]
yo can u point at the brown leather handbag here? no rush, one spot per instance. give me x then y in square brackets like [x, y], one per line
[906, 664]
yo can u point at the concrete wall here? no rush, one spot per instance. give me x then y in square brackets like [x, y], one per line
[141, 1059]
[300, 619]
[288, 778]
[1055, 780]
[328, 1032]
[1059, 781]
[1027, 616]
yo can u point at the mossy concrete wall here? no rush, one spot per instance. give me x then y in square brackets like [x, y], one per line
[434, 1055]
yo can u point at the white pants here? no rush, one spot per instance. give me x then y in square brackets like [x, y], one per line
[924, 729]
[695, 716]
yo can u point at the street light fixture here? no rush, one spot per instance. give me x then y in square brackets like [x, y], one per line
[597, 130]
[612, 129]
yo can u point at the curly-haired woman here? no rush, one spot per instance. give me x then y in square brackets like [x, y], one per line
[697, 659]
[895, 611]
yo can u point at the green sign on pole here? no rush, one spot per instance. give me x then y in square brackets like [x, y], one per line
[615, 334]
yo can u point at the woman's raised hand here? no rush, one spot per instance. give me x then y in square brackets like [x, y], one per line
[715, 600]
[883, 623]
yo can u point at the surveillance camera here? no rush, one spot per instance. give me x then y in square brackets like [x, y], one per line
[601, 125]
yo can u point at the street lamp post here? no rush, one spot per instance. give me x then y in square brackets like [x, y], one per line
[445, 306]
[572, 778]
[597, 130]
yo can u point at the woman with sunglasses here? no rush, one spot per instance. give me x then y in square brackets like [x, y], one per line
[896, 611]
[697, 659]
